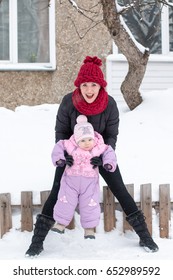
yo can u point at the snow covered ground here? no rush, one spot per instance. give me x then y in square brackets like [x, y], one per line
[145, 155]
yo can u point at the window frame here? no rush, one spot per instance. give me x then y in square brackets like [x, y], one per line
[12, 63]
[164, 37]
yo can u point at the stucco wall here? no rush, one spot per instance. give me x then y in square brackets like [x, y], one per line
[33, 88]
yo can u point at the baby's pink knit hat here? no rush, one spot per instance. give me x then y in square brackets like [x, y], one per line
[83, 129]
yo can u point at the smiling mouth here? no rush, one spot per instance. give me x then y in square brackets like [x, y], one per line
[90, 96]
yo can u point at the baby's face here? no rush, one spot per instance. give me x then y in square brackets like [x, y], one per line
[86, 144]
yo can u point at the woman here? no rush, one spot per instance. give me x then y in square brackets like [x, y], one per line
[90, 99]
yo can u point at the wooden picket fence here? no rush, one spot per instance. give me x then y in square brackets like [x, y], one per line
[108, 206]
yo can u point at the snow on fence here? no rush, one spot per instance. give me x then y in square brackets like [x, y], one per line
[108, 207]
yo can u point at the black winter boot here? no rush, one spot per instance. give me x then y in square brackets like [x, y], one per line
[137, 221]
[42, 227]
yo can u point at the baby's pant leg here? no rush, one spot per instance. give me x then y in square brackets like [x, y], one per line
[89, 204]
[66, 203]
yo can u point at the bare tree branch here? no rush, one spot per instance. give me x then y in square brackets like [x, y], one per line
[93, 15]
[86, 29]
[165, 3]
[84, 12]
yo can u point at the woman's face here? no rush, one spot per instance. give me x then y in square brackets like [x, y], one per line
[90, 91]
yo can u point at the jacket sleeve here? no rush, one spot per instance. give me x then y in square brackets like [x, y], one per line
[109, 157]
[62, 127]
[58, 152]
[112, 124]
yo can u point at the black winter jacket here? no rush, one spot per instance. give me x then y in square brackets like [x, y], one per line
[106, 123]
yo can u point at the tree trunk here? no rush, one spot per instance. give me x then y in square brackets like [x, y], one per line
[137, 58]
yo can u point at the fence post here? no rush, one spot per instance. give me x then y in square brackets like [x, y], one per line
[164, 210]
[43, 197]
[146, 204]
[26, 211]
[109, 209]
[126, 226]
[5, 213]
[71, 224]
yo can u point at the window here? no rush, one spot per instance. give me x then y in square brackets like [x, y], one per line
[151, 25]
[27, 32]
[171, 27]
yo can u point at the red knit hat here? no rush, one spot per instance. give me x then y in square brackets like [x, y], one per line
[90, 71]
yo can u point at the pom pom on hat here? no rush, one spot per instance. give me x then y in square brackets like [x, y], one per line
[81, 119]
[83, 129]
[90, 71]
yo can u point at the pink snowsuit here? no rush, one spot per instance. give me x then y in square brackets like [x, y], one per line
[80, 182]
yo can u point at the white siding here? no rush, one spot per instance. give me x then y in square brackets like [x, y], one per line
[158, 75]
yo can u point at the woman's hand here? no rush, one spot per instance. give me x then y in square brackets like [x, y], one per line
[96, 161]
[69, 159]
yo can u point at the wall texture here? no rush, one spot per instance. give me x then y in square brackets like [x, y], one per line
[34, 88]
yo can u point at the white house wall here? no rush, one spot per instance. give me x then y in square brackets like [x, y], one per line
[158, 75]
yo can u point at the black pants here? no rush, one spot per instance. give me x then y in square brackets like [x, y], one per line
[113, 180]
